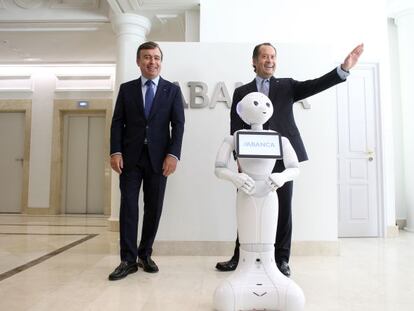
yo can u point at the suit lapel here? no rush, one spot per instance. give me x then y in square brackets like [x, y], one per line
[273, 89]
[137, 90]
[252, 86]
[273, 85]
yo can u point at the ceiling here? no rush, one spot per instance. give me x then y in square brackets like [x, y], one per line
[80, 31]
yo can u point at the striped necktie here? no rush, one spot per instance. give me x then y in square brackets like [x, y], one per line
[264, 87]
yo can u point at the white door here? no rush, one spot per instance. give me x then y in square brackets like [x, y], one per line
[358, 158]
[83, 173]
[11, 164]
[96, 165]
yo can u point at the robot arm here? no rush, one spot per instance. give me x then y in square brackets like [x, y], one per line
[291, 163]
[242, 181]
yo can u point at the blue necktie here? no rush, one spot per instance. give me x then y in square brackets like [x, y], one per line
[149, 97]
[264, 87]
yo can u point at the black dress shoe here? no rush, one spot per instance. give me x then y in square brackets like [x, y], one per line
[283, 267]
[147, 264]
[230, 265]
[123, 270]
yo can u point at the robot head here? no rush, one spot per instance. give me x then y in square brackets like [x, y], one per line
[255, 108]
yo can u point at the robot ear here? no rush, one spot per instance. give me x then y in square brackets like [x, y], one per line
[239, 108]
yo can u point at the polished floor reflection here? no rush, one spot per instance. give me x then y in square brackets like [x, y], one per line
[62, 263]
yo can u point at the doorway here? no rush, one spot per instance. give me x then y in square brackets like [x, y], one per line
[83, 180]
[66, 175]
[359, 158]
[12, 127]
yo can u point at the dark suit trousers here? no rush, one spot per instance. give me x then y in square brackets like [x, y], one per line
[153, 189]
[284, 222]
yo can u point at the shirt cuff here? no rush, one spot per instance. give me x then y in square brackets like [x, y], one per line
[342, 73]
[174, 156]
[116, 153]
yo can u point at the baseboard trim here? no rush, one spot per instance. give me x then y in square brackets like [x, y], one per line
[225, 248]
[392, 231]
[38, 211]
[401, 223]
[113, 224]
[193, 248]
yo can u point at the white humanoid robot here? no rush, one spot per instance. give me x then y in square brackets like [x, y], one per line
[257, 284]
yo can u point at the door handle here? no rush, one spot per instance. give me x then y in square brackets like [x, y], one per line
[370, 154]
[19, 160]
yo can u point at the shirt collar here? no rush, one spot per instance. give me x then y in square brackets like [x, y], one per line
[260, 79]
[155, 80]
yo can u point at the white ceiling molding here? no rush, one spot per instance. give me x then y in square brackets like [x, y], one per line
[80, 31]
[168, 4]
[54, 11]
[68, 82]
[85, 46]
[116, 6]
[22, 76]
[50, 26]
[75, 4]
[29, 4]
[135, 4]
[138, 6]
[21, 83]
[125, 6]
[83, 77]
[164, 18]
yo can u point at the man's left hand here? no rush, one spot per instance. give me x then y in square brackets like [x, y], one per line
[352, 58]
[169, 165]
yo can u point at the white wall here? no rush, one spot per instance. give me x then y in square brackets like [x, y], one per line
[197, 205]
[338, 24]
[41, 138]
[42, 85]
[311, 37]
[400, 209]
[292, 21]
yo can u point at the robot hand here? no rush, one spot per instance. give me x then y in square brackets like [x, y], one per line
[276, 180]
[244, 182]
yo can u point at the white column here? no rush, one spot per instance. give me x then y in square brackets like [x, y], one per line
[131, 31]
[192, 26]
[405, 25]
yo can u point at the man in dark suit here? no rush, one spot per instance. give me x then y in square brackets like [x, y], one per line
[146, 136]
[283, 93]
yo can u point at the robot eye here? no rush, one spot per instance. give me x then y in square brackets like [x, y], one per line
[267, 104]
[255, 103]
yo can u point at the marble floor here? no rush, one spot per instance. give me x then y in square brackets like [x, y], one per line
[62, 263]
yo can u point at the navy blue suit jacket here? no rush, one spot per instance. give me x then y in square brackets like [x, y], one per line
[283, 93]
[163, 130]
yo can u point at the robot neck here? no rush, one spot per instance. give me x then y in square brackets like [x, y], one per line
[256, 127]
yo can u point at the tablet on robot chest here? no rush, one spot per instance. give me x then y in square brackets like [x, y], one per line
[253, 144]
